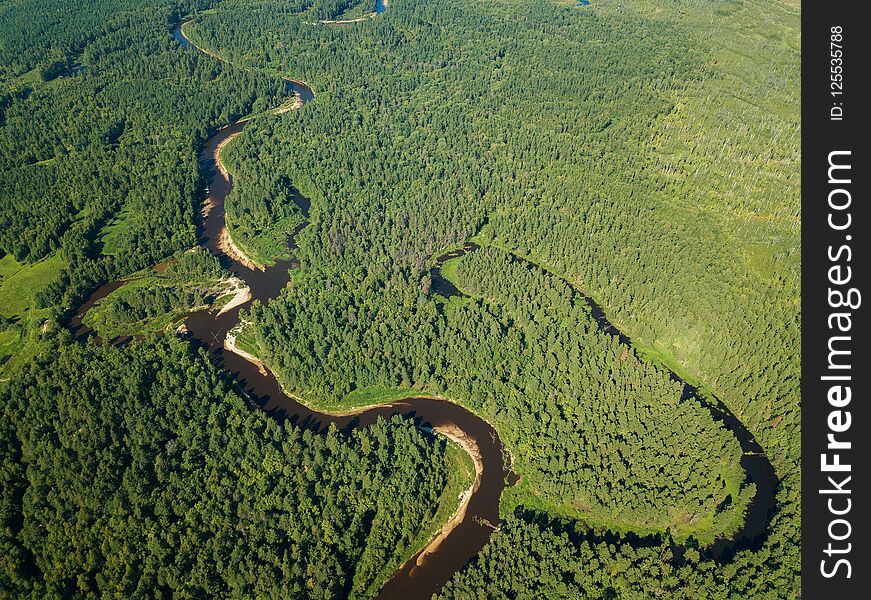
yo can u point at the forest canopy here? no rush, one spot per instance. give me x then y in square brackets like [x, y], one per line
[643, 154]
[145, 471]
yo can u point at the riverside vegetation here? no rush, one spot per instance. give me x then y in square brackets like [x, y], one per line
[146, 472]
[644, 153]
[98, 157]
[155, 301]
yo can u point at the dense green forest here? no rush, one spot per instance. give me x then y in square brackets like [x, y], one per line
[261, 216]
[643, 153]
[145, 472]
[619, 447]
[98, 161]
[533, 556]
[396, 175]
[152, 302]
[583, 138]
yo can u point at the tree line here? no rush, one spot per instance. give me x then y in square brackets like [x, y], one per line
[559, 133]
[101, 164]
[541, 126]
[143, 471]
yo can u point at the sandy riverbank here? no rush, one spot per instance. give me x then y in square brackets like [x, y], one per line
[295, 104]
[365, 17]
[454, 433]
[229, 247]
[225, 241]
[230, 346]
[241, 294]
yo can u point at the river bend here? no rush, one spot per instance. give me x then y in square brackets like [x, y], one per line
[469, 530]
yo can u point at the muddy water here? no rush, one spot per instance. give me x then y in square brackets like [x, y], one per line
[471, 534]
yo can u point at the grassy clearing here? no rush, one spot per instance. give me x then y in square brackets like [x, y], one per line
[371, 396]
[10, 342]
[484, 236]
[28, 79]
[703, 528]
[46, 162]
[449, 273]
[524, 495]
[449, 269]
[112, 234]
[8, 267]
[19, 285]
[245, 340]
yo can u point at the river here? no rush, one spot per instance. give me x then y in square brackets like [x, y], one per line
[413, 580]
[470, 530]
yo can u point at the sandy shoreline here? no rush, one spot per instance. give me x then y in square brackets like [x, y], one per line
[370, 15]
[241, 294]
[230, 346]
[296, 104]
[229, 247]
[225, 241]
[454, 433]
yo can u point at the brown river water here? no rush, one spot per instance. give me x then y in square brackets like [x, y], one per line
[422, 575]
[428, 570]
[413, 580]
